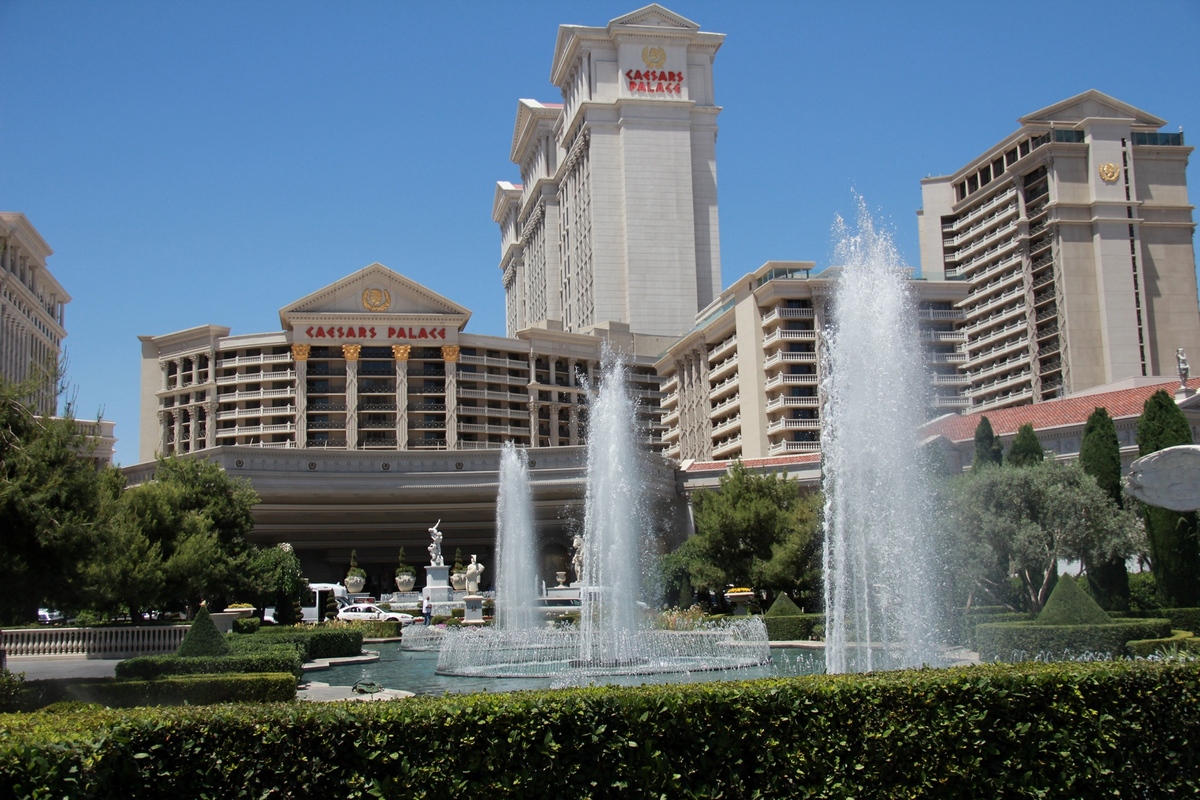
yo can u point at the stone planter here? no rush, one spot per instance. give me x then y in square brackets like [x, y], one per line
[459, 581]
[740, 602]
[405, 583]
[224, 619]
[355, 584]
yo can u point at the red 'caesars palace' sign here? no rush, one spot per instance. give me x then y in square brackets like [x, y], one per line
[371, 332]
[654, 81]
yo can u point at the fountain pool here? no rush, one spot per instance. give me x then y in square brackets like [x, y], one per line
[416, 672]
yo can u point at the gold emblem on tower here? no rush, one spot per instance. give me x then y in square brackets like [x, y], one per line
[654, 57]
[1109, 172]
[376, 299]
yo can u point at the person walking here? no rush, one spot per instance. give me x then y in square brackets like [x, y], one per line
[427, 609]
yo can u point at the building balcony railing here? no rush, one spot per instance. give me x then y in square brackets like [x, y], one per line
[993, 336]
[255, 394]
[794, 425]
[997, 318]
[722, 348]
[241, 361]
[950, 380]
[999, 383]
[785, 401]
[969, 216]
[242, 413]
[943, 336]
[780, 312]
[782, 334]
[376, 424]
[951, 402]
[253, 430]
[257, 377]
[492, 361]
[326, 444]
[377, 444]
[727, 425]
[670, 399]
[945, 358]
[720, 407]
[992, 303]
[723, 388]
[785, 357]
[670, 383]
[726, 367]
[426, 424]
[327, 424]
[317, 408]
[1016, 397]
[778, 448]
[426, 444]
[784, 379]
[671, 416]
[940, 314]
[484, 394]
[727, 446]
[498, 430]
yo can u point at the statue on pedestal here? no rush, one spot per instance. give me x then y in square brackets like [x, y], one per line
[474, 573]
[1181, 363]
[577, 557]
[435, 549]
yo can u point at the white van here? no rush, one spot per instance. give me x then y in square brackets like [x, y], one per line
[312, 604]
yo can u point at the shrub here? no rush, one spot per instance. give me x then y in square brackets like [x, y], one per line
[1177, 641]
[1184, 619]
[1070, 605]
[203, 638]
[316, 642]
[12, 687]
[273, 659]
[797, 628]
[971, 621]
[195, 690]
[247, 624]
[1041, 730]
[1143, 593]
[783, 607]
[1018, 641]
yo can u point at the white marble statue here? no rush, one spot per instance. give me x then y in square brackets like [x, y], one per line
[435, 549]
[1181, 363]
[577, 557]
[474, 573]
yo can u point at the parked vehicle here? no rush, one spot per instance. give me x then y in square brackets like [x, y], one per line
[48, 616]
[313, 603]
[366, 611]
[558, 607]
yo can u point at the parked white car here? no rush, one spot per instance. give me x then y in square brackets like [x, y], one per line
[369, 612]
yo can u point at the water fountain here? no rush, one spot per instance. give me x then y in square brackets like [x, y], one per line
[612, 637]
[517, 566]
[878, 591]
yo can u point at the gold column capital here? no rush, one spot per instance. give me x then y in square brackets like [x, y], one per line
[350, 351]
[401, 352]
[300, 352]
[450, 352]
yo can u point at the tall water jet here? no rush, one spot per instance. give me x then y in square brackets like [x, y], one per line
[878, 603]
[615, 523]
[516, 570]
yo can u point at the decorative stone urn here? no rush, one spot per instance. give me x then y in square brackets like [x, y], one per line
[459, 581]
[561, 577]
[355, 583]
[740, 600]
[405, 583]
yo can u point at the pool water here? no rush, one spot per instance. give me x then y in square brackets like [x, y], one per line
[414, 671]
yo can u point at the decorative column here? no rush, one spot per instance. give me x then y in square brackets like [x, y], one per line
[300, 358]
[210, 428]
[450, 356]
[532, 405]
[554, 409]
[164, 421]
[177, 417]
[574, 424]
[401, 353]
[164, 366]
[350, 353]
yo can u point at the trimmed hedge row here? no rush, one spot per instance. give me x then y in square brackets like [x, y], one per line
[798, 627]
[1016, 641]
[1178, 641]
[972, 620]
[173, 690]
[269, 659]
[316, 642]
[1034, 730]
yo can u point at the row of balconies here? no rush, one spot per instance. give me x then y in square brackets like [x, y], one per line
[979, 292]
[787, 401]
[722, 348]
[257, 377]
[1016, 309]
[1016, 343]
[979, 225]
[492, 361]
[782, 312]
[241, 361]
[238, 413]
[1011, 397]
[726, 367]
[999, 383]
[966, 217]
[787, 357]
[1003, 248]
[789, 336]
[778, 448]
[787, 424]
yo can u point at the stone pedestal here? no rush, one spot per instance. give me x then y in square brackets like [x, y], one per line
[740, 602]
[437, 589]
[473, 614]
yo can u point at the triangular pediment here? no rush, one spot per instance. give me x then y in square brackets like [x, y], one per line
[1092, 105]
[654, 16]
[375, 289]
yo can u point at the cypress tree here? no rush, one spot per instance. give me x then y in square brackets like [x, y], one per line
[988, 450]
[1174, 546]
[1026, 450]
[1100, 457]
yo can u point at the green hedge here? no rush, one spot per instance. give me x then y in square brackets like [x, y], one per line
[972, 620]
[1180, 641]
[1015, 641]
[247, 624]
[376, 628]
[800, 627]
[272, 659]
[1115, 729]
[1182, 619]
[263, 687]
[316, 642]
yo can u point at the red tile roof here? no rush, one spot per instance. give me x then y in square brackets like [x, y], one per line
[759, 463]
[1052, 413]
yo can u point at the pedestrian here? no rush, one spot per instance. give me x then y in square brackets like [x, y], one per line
[427, 609]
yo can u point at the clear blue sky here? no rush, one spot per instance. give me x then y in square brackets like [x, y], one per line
[211, 162]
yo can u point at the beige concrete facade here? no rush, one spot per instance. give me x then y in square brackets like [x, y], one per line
[32, 306]
[745, 382]
[1074, 234]
[615, 218]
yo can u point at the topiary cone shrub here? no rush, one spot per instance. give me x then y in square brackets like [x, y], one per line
[203, 638]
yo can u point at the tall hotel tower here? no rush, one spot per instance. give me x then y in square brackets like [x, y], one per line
[615, 219]
[1074, 234]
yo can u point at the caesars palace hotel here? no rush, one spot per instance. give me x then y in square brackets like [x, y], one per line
[1058, 261]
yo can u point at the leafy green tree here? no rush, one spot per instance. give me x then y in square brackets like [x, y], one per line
[50, 498]
[199, 517]
[125, 573]
[753, 531]
[1027, 518]
[1100, 457]
[278, 580]
[988, 449]
[1025, 450]
[1173, 538]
